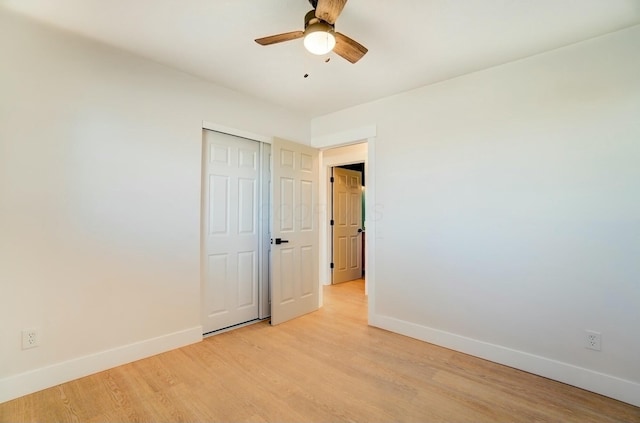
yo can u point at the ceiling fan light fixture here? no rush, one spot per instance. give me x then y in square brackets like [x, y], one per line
[319, 38]
[319, 33]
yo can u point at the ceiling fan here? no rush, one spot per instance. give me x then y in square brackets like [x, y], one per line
[319, 32]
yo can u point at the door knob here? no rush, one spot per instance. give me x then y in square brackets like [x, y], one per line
[360, 230]
[281, 241]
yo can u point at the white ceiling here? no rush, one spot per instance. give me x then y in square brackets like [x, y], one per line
[411, 42]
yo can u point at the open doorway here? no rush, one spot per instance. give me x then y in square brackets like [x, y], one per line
[345, 156]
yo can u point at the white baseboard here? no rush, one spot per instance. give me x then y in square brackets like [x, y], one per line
[45, 377]
[610, 386]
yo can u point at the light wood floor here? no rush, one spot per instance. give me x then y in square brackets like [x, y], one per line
[326, 366]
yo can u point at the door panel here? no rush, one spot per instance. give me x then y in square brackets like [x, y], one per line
[247, 207]
[215, 282]
[286, 281]
[232, 238]
[307, 259]
[294, 263]
[247, 279]
[218, 211]
[347, 213]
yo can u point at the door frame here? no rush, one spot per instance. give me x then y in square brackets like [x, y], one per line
[374, 211]
[326, 235]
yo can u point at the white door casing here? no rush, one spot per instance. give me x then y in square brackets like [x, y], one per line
[294, 263]
[231, 230]
[347, 227]
[265, 216]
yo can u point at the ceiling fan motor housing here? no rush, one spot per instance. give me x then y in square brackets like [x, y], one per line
[313, 24]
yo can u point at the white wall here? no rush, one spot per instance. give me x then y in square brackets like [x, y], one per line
[510, 212]
[100, 201]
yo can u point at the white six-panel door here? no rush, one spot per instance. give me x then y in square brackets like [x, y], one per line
[347, 227]
[231, 230]
[294, 261]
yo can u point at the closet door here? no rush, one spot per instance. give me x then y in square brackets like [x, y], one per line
[231, 230]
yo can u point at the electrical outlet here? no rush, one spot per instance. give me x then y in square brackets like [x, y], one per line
[593, 340]
[30, 338]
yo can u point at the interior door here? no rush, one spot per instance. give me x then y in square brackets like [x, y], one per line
[294, 249]
[347, 225]
[231, 230]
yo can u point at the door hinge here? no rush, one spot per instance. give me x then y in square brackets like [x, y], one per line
[331, 222]
[331, 265]
[332, 180]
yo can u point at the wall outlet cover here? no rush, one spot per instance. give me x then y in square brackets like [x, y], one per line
[30, 338]
[593, 340]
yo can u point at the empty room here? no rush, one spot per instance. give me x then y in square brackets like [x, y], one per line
[320, 210]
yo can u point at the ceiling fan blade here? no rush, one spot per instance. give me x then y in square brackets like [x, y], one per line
[279, 38]
[349, 49]
[329, 10]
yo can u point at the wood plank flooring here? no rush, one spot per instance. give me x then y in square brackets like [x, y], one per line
[323, 367]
